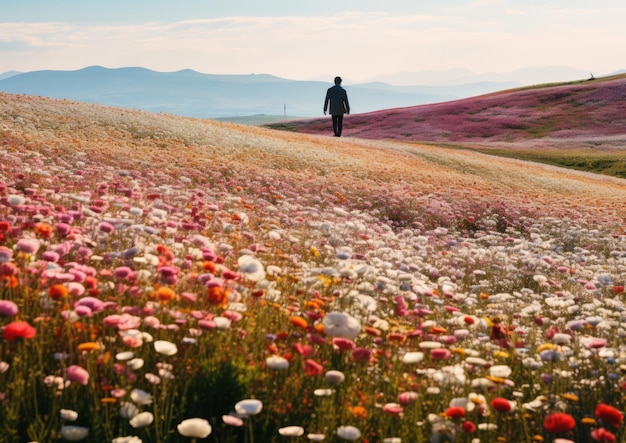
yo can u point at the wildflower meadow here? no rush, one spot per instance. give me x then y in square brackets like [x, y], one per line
[166, 279]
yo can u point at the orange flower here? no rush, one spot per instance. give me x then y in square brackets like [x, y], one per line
[359, 412]
[89, 346]
[57, 291]
[299, 322]
[43, 229]
[372, 331]
[396, 337]
[217, 296]
[165, 294]
[209, 266]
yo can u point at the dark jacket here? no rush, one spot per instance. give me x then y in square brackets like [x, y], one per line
[338, 99]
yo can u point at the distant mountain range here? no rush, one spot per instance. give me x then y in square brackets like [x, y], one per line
[194, 94]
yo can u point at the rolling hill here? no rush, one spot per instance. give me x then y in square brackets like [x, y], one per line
[577, 113]
[272, 284]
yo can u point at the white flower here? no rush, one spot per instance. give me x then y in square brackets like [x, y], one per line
[74, 433]
[140, 397]
[68, 415]
[323, 392]
[348, 433]
[142, 420]
[413, 357]
[222, 322]
[277, 362]
[316, 437]
[251, 268]
[561, 339]
[135, 363]
[128, 410]
[339, 324]
[248, 407]
[130, 439]
[194, 427]
[123, 356]
[165, 347]
[291, 431]
[334, 378]
[501, 371]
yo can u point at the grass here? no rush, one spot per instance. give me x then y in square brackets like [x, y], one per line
[611, 163]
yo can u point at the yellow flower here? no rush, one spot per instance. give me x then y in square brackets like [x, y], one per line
[546, 347]
[501, 354]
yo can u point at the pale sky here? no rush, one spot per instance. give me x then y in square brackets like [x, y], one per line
[313, 39]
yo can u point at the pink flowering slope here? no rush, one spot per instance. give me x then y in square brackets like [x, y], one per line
[589, 109]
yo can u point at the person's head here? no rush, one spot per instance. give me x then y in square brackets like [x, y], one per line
[337, 80]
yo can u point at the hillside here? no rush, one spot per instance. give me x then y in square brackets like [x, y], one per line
[167, 279]
[578, 113]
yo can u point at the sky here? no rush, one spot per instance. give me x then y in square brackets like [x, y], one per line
[306, 39]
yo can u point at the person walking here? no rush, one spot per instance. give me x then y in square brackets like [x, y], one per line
[337, 97]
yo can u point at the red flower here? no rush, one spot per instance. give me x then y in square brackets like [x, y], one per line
[313, 368]
[501, 404]
[609, 414]
[455, 412]
[468, 427]
[559, 422]
[18, 329]
[602, 435]
[343, 344]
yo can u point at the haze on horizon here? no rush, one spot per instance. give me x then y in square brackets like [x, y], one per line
[357, 39]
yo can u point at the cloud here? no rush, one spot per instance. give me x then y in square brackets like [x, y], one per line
[356, 44]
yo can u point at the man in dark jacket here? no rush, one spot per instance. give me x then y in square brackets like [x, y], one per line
[338, 99]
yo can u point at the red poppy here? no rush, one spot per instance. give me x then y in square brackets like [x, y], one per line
[559, 422]
[455, 412]
[313, 368]
[18, 329]
[609, 414]
[602, 435]
[468, 427]
[501, 404]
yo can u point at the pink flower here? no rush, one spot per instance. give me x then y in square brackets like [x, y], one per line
[77, 374]
[406, 398]
[27, 245]
[440, 353]
[8, 308]
[106, 227]
[362, 354]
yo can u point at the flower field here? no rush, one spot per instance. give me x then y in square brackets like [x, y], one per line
[166, 279]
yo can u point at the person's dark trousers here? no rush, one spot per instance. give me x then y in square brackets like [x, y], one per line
[337, 124]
